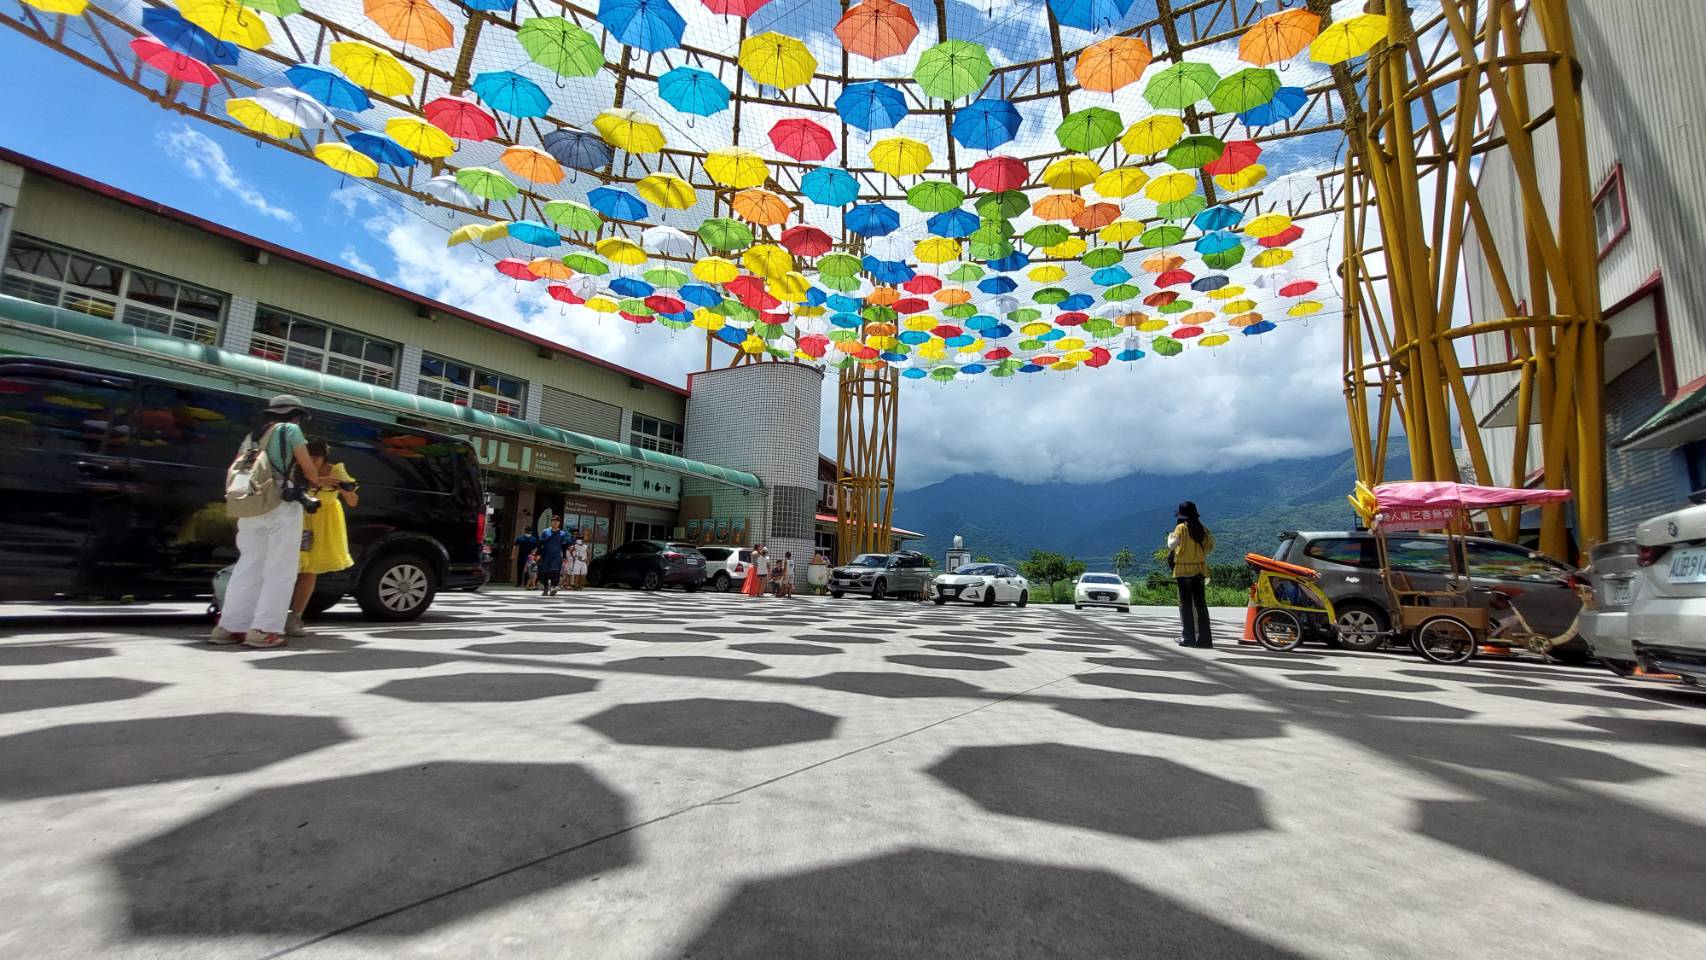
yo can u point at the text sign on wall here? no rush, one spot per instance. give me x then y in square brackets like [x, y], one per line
[629, 479]
[525, 459]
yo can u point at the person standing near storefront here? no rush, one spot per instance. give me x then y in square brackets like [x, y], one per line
[552, 545]
[524, 547]
[579, 553]
[755, 574]
[325, 537]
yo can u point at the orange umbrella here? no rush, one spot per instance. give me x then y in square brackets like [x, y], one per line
[879, 330]
[1110, 64]
[953, 295]
[1278, 36]
[1059, 206]
[761, 207]
[883, 297]
[877, 29]
[1096, 215]
[1245, 320]
[1163, 262]
[1197, 318]
[534, 164]
[414, 22]
[549, 269]
[1131, 319]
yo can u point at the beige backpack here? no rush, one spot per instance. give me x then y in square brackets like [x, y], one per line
[252, 485]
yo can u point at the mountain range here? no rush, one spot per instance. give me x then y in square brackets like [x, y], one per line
[1247, 508]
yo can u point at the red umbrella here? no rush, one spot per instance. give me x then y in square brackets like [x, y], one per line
[1185, 333]
[802, 139]
[665, 304]
[172, 63]
[1172, 277]
[813, 344]
[806, 241]
[560, 292]
[1096, 216]
[1098, 357]
[1238, 155]
[511, 267]
[923, 284]
[775, 319]
[760, 300]
[1161, 298]
[461, 118]
[867, 353]
[911, 305]
[996, 174]
[946, 330]
[1298, 288]
[636, 318]
[999, 353]
[734, 8]
[1072, 318]
[877, 29]
[1293, 232]
[745, 284]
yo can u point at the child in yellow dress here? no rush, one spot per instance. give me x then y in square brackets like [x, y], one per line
[325, 538]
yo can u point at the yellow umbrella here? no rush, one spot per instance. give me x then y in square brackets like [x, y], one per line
[533, 164]
[767, 260]
[1213, 340]
[254, 116]
[1072, 357]
[918, 321]
[495, 231]
[629, 130]
[900, 156]
[715, 270]
[1047, 273]
[549, 269]
[1267, 225]
[1120, 182]
[1070, 247]
[1226, 293]
[937, 250]
[881, 343]
[1243, 179]
[346, 159]
[1305, 308]
[1071, 173]
[810, 311]
[1238, 306]
[621, 250]
[932, 349]
[1120, 231]
[1036, 328]
[777, 60]
[71, 8]
[976, 346]
[1170, 186]
[1271, 258]
[1153, 134]
[752, 344]
[1350, 37]
[465, 233]
[668, 191]
[1063, 365]
[790, 287]
[413, 22]
[601, 305]
[372, 68]
[227, 20]
[706, 320]
[736, 167]
[420, 137]
[1152, 324]
[1068, 343]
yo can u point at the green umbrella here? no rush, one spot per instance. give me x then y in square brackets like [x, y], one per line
[1102, 257]
[1183, 208]
[900, 348]
[1031, 344]
[1118, 292]
[839, 265]
[1225, 259]
[992, 232]
[845, 363]
[966, 273]
[666, 277]
[951, 69]
[634, 305]
[560, 46]
[1162, 236]
[878, 313]
[1195, 151]
[1091, 128]
[1101, 327]
[1177, 306]
[572, 216]
[1025, 315]
[723, 233]
[278, 8]
[842, 334]
[935, 196]
[675, 324]
[767, 331]
[586, 263]
[1245, 90]
[1046, 234]
[1048, 295]
[735, 310]
[1005, 368]
[943, 374]
[991, 250]
[486, 182]
[960, 311]
[1002, 206]
[1166, 346]
[840, 284]
[1180, 85]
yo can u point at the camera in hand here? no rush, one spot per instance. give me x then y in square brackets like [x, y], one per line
[292, 492]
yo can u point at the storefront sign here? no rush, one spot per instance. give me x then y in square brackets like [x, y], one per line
[525, 459]
[628, 479]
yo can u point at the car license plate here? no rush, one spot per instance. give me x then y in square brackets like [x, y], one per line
[1688, 566]
[1620, 591]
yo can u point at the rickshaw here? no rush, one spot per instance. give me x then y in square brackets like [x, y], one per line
[1442, 621]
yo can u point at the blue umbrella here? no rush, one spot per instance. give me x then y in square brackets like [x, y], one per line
[1030, 368]
[982, 321]
[1078, 301]
[830, 186]
[491, 6]
[530, 231]
[577, 148]
[971, 368]
[1108, 276]
[1285, 104]
[997, 285]
[1129, 353]
[893, 356]
[960, 340]
[915, 373]
[1089, 14]
[872, 220]
[986, 124]
[509, 92]
[842, 303]
[327, 86]
[816, 297]
[913, 337]
[997, 332]
[700, 295]
[381, 148]
[1012, 262]
[617, 204]
[631, 287]
[1052, 335]
[651, 25]
[888, 271]
[871, 105]
[1213, 281]
[953, 223]
[731, 334]
[1258, 328]
[846, 320]
[170, 28]
[1220, 217]
[1218, 241]
[694, 91]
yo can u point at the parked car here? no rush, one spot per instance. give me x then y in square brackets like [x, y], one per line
[1542, 589]
[1615, 577]
[982, 583]
[1667, 617]
[726, 567]
[1101, 590]
[112, 485]
[649, 565]
[878, 575]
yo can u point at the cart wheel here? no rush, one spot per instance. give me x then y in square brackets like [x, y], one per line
[1278, 629]
[1445, 640]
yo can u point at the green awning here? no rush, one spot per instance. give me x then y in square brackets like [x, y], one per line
[1678, 422]
[312, 383]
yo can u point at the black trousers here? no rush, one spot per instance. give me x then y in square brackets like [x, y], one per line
[1193, 610]
[550, 578]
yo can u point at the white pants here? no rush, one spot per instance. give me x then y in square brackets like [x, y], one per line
[268, 550]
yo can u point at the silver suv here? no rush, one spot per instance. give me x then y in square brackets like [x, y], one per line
[878, 575]
[1543, 589]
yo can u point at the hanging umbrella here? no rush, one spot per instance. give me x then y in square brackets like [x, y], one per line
[1237, 155]
[1183, 208]
[381, 149]
[1089, 14]
[1089, 129]
[651, 25]
[532, 163]
[999, 173]
[1216, 241]
[1071, 173]
[487, 183]
[1170, 186]
[951, 69]
[956, 223]
[1195, 151]
[1120, 182]
[1290, 234]
[900, 156]
[1260, 327]
[694, 91]
[667, 190]
[419, 137]
[777, 60]
[371, 68]
[761, 207]
[736, 167]
[465, 233]
[227, 20]
[1218, 218]
[1284, 105]
[1120, 230]
[1108, 65]
[620, 250]
[1180, 86]
[1096, 215]
[294, 107]
[173, 64]
[1267, 225]
[572, 216]
[1245, 90]
[877, 29]
[1152, 135]
[1056, 206]
[1298, 288]
[714, 269]
[587, 264]
[345, 159]
[560, 46]
[806, 241]
[1350, 37]
[667, 241]
[1278, 36]
[1002, 206]
[801, 139]
[986, 124]
[509, 92]
[724, 233]
[461, 118]
[327, 87]
[576, 148]
[629, 130]
[445, 189]
[170, 27]
[1162, 262]
[1161, 236]
[871, 105]
[935, 196]
[515, 267]
[256, 117]
[1046, 234]
[617, 204]
[537, 234]
[1272, 258]
[1243, 179]
[830, 186]
[734, 8]
[413, 22]
[872, 220]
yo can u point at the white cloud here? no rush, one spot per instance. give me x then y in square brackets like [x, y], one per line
[205, 159]
[353, 259]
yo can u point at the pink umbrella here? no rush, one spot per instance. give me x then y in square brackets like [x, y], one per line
[923, 283]
[1289, 234]
[511, 267]
[996, 174]
[802, 140]
[734, 8]
[806, 241]
[172, 63]
[1459, 496]
[560, 292]
[1298, 288]
[461, 118]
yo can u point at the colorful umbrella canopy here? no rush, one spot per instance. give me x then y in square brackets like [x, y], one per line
[1278, 36]
[1237, 155]
[572, 216]
[486, 183]
[723, 233]
[532, 163]
[1247, 89]
[1089, 14]
[170, 27]
[560, 46]
[736, 167]
[986, 124]
[734, 8]
[777, 60]
[629, 130]
[1180, 86]
[668, 241]
[806, 241]
[801, 139]
[900, 156]
[445, 189]
[371, 68]
[509, 92]
[694, 91]
[345, 159]
[871, 105]
[1071, 173]
[651, 25]
[951, 69]
[536, 234]
[761, 207]
[877, 29]
[1347, 38]
[1153, 134]
[935, 196]
[327, 87]
[667, 191]
[1120, 182]
[1286, 102]
[419, 137]
[257, 118]
[617, 204]
[872, 220]
[1108, 65]
[576, 148]
[173, 64]
[294, 107]
[381, 148]
[227, 20]
[1195, 151]
[830, 186]
[413, 22]
[461, 118]
[999, 173]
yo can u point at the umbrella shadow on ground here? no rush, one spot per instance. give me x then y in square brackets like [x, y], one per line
[484, 687]
[536, 648]
[35, 656]
[17, 696]
[711, 724]
[931, 662]
[1350, 682]
[1143, 683]
[1177, 719]
[787, 649]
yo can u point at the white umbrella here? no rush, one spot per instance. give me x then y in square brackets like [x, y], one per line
[445, 189]
[1005, 304]
[583, 285]
[295, 107]
[667, 240]
[891, 247]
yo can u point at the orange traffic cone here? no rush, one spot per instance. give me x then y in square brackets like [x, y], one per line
[1249, 638]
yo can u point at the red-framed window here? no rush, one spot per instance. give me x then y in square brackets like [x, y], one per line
[1610, 211]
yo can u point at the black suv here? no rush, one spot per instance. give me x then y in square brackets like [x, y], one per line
[649, 564]
[112, 485]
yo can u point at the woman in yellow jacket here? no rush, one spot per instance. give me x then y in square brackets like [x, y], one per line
[325, 537]
[1189, 545]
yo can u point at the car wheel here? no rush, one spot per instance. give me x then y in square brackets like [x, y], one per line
[720, 582]
[837, 594]
[1574, 654]
[879, 590]
[941, 600]
[399, 587]
[1361, 626]
[691, 587]
[652, 580]
[1024, 598]
[1623, 668]
[595, 578]
[989, 596]
[1125, 609]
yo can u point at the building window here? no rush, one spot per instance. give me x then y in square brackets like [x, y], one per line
[468, 386]
[1695, 456]
[650, 433]
[1610, 211]
[50, 274]
[646, 531]
[312, 345]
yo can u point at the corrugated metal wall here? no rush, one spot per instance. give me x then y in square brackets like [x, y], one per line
[571, 411]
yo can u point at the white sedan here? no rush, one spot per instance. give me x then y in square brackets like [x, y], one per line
[982, 583]
[1101, 590]
[1667, 616]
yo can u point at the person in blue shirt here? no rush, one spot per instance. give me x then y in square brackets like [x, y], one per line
[552, 544]
[524, 547]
